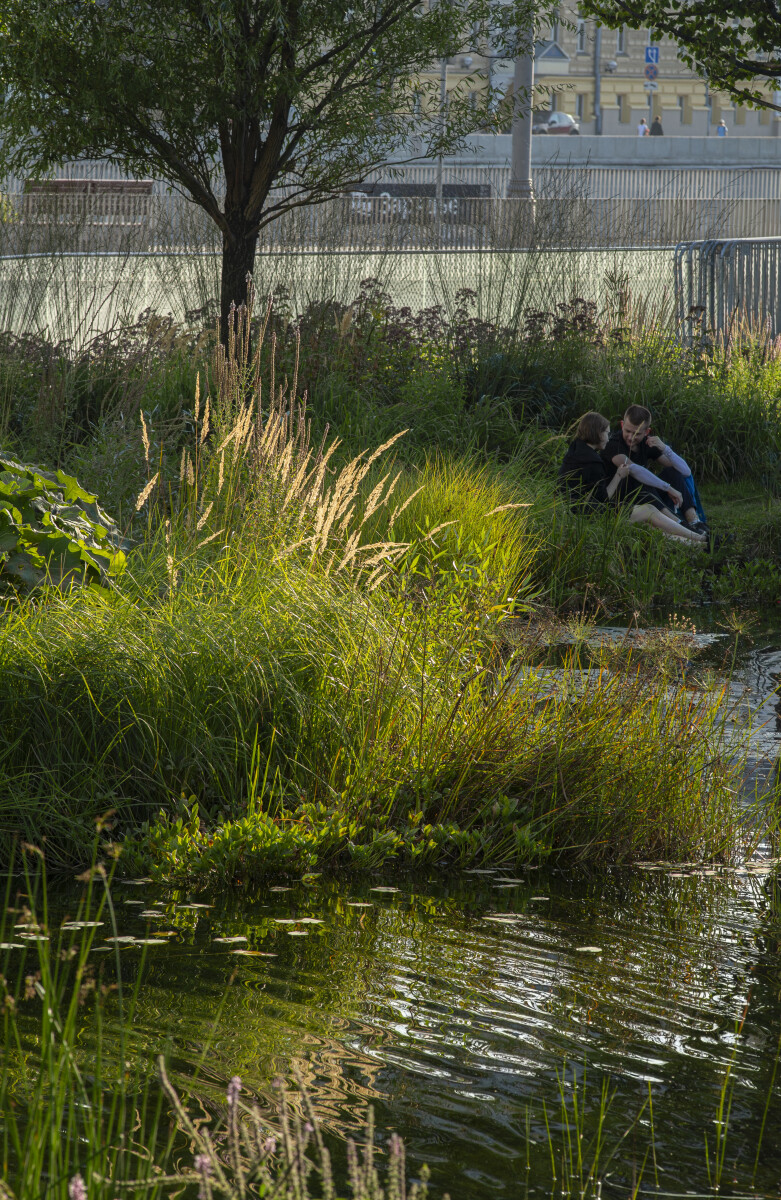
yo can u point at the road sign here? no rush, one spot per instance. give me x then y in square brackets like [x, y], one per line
[650, 71]
[652, 56]
[651, 87]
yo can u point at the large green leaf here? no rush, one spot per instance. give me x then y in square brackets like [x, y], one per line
[52, 529]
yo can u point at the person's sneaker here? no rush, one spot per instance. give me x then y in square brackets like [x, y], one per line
[699, 527]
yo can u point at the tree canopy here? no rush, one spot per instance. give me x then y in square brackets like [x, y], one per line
[734, 44]
[249, 107]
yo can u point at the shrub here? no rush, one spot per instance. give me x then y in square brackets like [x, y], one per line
[51, 529]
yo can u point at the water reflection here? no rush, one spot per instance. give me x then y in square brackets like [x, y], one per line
[455, 1009]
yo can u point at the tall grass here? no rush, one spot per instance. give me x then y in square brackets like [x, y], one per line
[300, 666]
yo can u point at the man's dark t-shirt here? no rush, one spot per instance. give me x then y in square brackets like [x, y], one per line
[642, 454]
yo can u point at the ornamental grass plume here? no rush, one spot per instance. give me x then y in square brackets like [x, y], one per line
[254, 475]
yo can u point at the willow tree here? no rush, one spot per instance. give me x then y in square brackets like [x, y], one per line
[249, 108]
[734, 44]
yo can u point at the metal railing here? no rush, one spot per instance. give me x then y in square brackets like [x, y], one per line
[118, 220]
[721, 282]
[594, 182]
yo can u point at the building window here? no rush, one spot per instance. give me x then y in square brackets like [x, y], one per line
[581, 36]
[624, 114]
[740, 114]
[554, 28]
[621, 41]
[764, 116]
[580, 106]
[553, 105]
[685, 108]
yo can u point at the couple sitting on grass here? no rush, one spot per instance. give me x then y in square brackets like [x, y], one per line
[602, 468]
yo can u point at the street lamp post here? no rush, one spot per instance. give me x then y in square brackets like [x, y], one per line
[521, 187]
[597, 77]
[442, 129]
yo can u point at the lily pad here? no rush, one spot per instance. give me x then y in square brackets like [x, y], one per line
[230, 941]
[385, 889]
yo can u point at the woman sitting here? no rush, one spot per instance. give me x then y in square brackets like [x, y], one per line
[586, 481]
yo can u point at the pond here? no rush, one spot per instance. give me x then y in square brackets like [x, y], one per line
[468, 1010]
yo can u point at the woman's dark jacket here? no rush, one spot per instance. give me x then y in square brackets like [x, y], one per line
[583, 476]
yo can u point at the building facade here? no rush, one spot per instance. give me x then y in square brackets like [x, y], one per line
[581, 69]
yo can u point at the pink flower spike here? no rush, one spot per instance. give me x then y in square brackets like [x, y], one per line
[77, 1189]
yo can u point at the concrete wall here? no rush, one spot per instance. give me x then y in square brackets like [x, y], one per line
[628, 150]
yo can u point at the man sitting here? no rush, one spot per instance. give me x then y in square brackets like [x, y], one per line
[673, 486]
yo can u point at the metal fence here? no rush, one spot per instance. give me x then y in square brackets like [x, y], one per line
[128, 220]
[589, 182]
[726, 284]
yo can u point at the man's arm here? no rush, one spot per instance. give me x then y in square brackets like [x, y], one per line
[668, 457]
[642, 475]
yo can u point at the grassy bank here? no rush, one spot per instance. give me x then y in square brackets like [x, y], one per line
[308, 664]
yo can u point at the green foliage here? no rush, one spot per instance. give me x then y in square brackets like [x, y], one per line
[53, 530]
[184, 847]
[757, 581]
[731, 43]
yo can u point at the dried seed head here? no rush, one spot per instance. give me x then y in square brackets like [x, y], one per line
[145, 438]
[144, 495]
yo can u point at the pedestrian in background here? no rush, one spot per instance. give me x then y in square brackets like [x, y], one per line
[642, 128]
[722, 130]
[656, 127]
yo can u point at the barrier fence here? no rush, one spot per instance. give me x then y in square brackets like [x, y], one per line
[724, 284]
[554, 177]
[117, 219]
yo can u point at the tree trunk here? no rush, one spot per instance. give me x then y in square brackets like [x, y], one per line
[238, 260]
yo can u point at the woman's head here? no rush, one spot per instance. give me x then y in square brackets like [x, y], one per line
[594, 429]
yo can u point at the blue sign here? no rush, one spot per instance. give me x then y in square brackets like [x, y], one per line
[652, 55]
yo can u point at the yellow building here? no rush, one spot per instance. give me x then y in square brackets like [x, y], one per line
[580, 65]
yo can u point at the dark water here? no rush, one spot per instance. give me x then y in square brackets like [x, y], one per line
[459, 1007]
